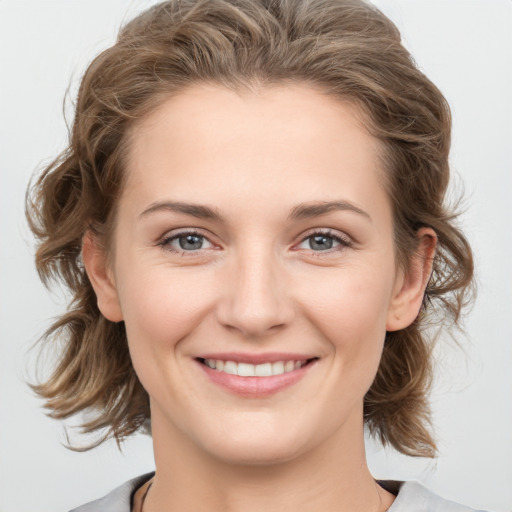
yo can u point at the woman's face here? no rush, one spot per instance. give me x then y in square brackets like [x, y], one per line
[254, 269]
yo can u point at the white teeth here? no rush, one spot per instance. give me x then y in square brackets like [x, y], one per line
[230, 367]
[254, 370]
[263, 370]
[245, 370]
[277, 368]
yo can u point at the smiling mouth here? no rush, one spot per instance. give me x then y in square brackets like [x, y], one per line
[268, 369]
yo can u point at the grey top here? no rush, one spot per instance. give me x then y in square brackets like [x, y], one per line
[411, 497]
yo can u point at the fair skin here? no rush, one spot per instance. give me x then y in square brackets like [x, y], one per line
[218, 255]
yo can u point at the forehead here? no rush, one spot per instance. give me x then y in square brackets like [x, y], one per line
[291, 143]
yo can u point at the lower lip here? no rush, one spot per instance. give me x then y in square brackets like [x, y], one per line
[255, 387]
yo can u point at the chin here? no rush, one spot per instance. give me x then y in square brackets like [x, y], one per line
[255, 454]
[257, 444]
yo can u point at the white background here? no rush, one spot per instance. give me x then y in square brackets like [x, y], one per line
[465, 47]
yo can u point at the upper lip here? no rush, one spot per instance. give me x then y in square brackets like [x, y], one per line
[271, 357]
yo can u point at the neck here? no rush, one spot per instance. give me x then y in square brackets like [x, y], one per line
[333, 476]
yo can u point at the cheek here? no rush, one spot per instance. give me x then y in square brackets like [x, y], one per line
[161, 306]
[350, 309]
[358, 295]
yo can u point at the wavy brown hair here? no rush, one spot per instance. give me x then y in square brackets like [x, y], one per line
[346, 48]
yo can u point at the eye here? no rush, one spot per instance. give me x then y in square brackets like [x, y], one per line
[188, 241]
[324, 241]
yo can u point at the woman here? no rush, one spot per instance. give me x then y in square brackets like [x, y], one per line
[250, 218]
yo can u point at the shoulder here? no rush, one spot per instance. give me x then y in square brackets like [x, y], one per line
[413, 494]
[410, 494]
[118, 500]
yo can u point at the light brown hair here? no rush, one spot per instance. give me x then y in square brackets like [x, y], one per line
[347, 49]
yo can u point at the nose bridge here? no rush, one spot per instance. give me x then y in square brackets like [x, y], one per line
[257, 300]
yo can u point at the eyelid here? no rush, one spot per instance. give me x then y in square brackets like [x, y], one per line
[165, 241]
[343, 239]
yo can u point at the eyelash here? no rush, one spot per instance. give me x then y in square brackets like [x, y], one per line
[343, 242]
[165, 243]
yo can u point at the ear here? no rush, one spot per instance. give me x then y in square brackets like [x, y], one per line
[410, 287]
[101, 277]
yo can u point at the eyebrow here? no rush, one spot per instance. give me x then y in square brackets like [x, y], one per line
[309, 210]
[195, 210]
[299, 212]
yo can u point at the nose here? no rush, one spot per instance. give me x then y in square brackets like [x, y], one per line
[256, 299]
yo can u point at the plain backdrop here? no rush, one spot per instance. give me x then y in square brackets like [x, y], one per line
[465, 47]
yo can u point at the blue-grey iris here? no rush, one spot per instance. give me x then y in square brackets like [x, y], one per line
[190, 242]
[321, 242]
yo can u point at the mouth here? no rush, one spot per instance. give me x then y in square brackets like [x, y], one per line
[267, 369]
[255, 376]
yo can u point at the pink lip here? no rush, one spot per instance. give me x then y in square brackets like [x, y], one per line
[256, 387]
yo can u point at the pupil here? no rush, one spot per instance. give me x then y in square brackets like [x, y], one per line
[321, 242]
[191, 242]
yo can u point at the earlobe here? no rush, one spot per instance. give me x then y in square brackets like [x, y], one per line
[408, 296]
[101, 278]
